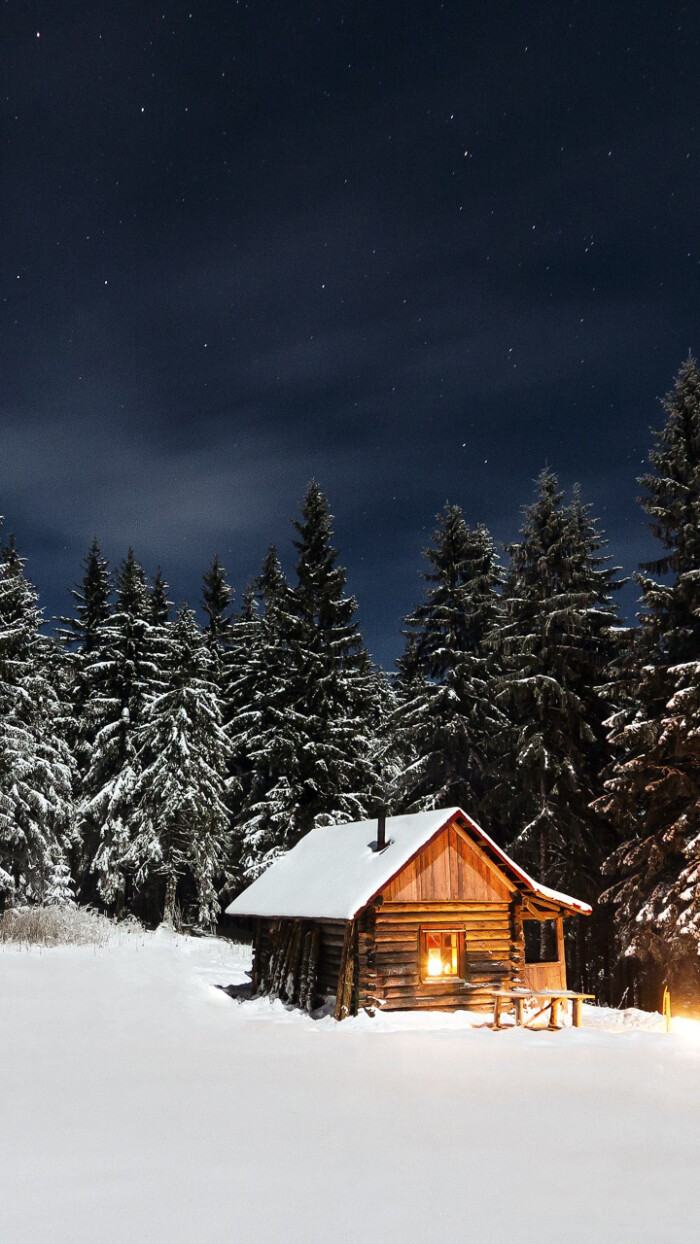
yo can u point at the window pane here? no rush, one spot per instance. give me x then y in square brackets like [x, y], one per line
[434, 961]
[440, 954]
[540, 941]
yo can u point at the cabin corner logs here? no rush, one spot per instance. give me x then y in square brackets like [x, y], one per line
[378, 959]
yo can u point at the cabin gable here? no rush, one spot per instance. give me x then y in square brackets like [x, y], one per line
[450, 868]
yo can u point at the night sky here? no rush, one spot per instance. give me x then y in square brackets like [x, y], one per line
[413, 250]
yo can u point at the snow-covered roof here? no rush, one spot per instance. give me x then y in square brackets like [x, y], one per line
[333, 871]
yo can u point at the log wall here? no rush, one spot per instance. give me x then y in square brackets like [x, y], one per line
[305, 962]
[286, 961]
[375, 961]
[388, 959]
[332, 933]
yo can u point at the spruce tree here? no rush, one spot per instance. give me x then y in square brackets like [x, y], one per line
[447, 720]
[312, 753]
[332, 677]
[182, 821]
[80, 635]
[462, 595]
[217, 598]
[60, 890]
[652, 791]
[258, 689]
[557, 642]
[160, 605]
[216, 602]
[92, 602]
[123, 669]
[35, 763]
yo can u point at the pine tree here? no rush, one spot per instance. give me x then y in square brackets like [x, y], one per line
[123, 670]
[182, 819]
[160, 605]
[216, 602]
[312, 753]
[447, 718]
[59, 888]
[217, 597]
[333, 677]
[271, 585]
[80, 635]
[652, 794]
[92, 602]
[557, 642]
[387, 749]
[257, 672]
[35, 764]
[462, 599]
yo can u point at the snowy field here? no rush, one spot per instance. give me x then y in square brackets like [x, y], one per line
[140, 1103]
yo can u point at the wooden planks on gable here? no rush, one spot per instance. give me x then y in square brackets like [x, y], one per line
[449, 867]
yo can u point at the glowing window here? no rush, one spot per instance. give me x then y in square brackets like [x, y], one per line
[440, 957]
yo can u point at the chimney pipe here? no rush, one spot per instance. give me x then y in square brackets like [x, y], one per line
[381, 830]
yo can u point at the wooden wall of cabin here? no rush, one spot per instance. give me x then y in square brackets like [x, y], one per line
[300, 961]
[548, 973]
[286, 957]
[389, 970]
[331, 953]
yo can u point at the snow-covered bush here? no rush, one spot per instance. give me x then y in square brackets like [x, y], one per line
[61, 926]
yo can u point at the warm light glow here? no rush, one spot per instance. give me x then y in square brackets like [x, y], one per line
[689, 1029]
[442, 954]
[434, 962]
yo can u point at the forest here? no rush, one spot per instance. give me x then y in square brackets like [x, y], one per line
[152, 765]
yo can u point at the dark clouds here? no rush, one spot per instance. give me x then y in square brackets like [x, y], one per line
[243, 245]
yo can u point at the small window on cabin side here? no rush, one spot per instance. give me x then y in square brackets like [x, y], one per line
[440, 954]
[540, 941]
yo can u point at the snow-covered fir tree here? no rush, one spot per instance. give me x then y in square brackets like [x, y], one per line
[386, 751]
[252, 683]
[652, 791]
[182, 821]
[313, 751]
[447, 717]
[160, 605]
[557, 641]
[217, 596]
[35, 762]
[59, 891]
[79, 635]
[92, 602]
[122, 670]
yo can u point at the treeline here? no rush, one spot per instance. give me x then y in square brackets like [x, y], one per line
[152, 765]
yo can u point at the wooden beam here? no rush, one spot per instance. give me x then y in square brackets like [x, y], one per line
[484, 856]
[561, 950]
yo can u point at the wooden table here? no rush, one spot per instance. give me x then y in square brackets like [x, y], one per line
[552, 999]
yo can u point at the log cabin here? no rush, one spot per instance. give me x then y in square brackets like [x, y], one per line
[420, 911]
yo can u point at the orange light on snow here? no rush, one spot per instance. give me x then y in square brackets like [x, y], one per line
[688, 1029]
[680, 1025]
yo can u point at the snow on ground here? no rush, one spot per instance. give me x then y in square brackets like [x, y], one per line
[141, 1103]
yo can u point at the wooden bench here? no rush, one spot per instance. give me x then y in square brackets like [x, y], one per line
[552, 999]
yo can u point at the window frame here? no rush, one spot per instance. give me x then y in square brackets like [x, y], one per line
[443, 978]
[534, 927]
